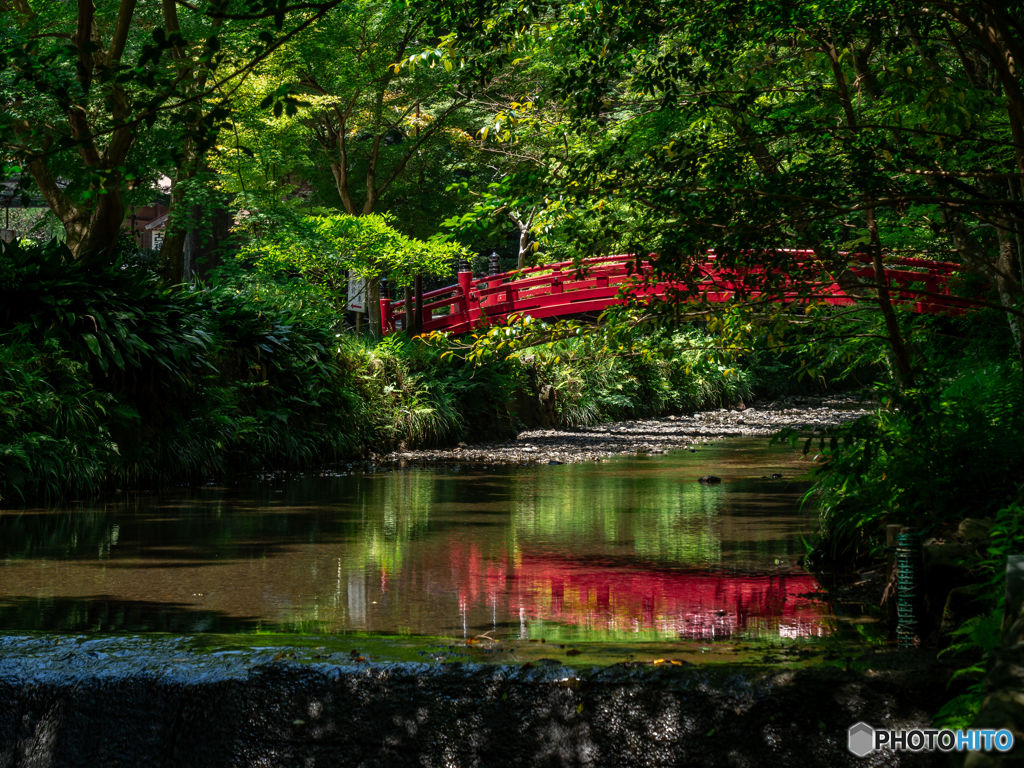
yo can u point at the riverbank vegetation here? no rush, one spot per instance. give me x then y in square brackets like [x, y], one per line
[111, 380]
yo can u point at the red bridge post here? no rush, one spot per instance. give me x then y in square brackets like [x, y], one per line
[387, 320]
[465, 282]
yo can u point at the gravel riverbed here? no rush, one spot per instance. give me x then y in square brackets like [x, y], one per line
[650, 436]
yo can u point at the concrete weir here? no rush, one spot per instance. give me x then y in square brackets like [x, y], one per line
[102, 704]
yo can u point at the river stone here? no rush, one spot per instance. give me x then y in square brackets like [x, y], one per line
[534, 405]
[950, 556]
[975, 530]
[946, 566]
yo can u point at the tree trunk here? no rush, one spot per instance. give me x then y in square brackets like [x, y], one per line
[172, 251]
[93, 234]
[410, 313]
[91, 229]
[209, 254]
[1007, 266]
[373, 310]
[999, 272]
[892, 326]
[179, 221]
[521, 262]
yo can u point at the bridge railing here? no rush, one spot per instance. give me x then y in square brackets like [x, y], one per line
[594, 284]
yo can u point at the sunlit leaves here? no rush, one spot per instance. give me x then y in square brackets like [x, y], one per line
[323, 249]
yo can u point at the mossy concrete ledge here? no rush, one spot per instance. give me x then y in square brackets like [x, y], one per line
[102, 704]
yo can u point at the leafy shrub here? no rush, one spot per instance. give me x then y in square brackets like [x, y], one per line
[55, 429]
[928, 455]
[982, 634]
[601, 377]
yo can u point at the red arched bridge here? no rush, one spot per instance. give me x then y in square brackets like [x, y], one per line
[566, 288]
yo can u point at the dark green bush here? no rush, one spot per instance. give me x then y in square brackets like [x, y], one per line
[928, 456]
[55, 428]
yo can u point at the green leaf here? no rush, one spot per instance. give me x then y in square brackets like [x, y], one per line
[92, 343]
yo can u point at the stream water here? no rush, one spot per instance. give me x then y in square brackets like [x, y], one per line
[628, 549]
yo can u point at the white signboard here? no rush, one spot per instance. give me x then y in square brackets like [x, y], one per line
[356, 292]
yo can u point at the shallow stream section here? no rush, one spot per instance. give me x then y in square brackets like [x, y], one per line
[628, 550]
[618, 613]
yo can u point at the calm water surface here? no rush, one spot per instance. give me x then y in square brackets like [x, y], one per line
[629, 549]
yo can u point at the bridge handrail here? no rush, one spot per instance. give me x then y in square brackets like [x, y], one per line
[599, 279]
[565, 268]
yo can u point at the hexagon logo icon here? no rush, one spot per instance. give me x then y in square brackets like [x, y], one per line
[861, 739]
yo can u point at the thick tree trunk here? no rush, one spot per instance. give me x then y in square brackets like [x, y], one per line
[524, 235]
[341, 182]
[93, 234]
[91, 230]
[179, 221]
[210, 253]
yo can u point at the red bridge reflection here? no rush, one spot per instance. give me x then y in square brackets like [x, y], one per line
[608, 596]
